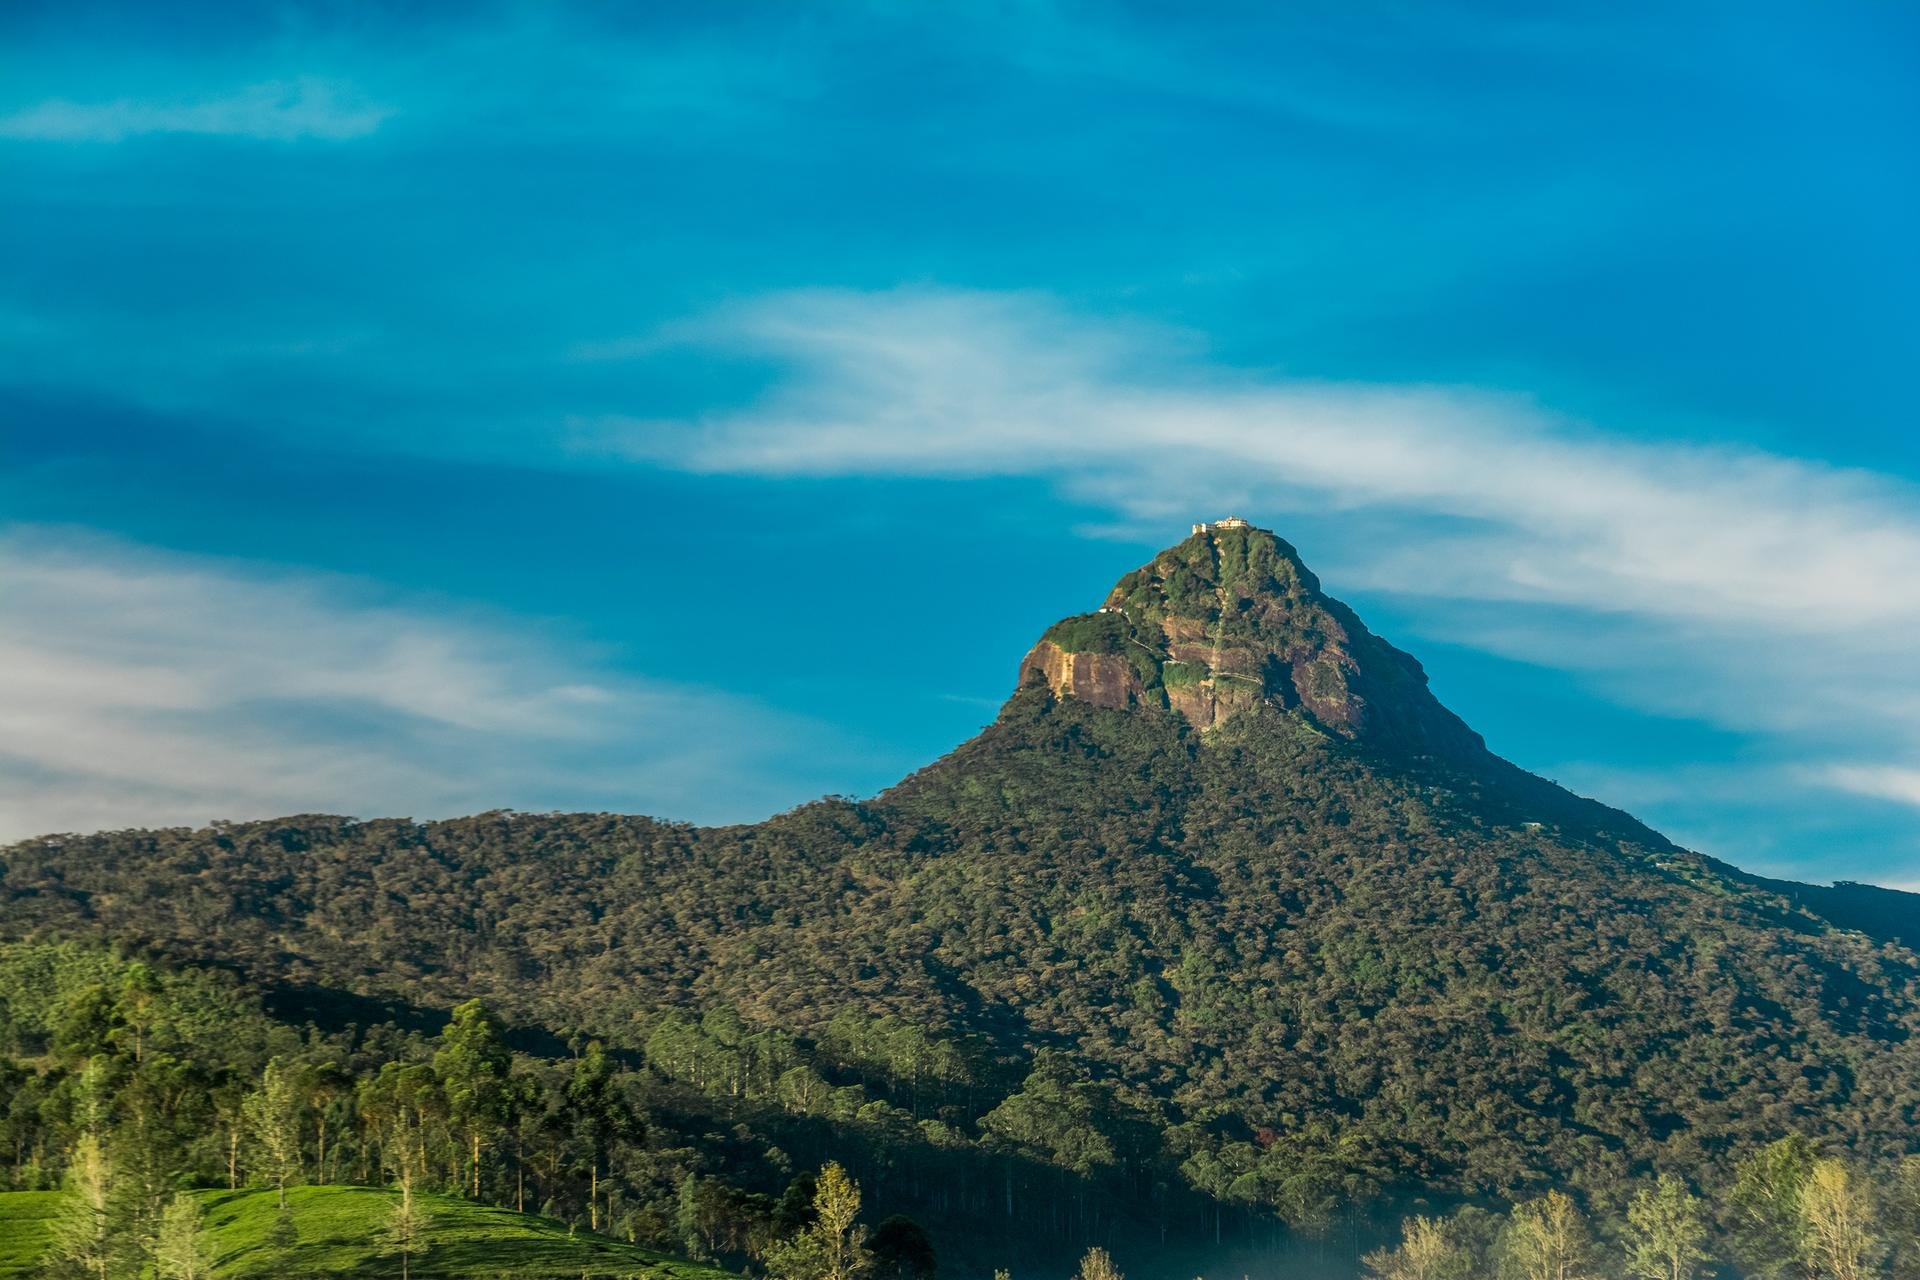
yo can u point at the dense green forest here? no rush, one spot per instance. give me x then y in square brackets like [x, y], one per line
[1225, 947]
[124, 1086]
[700, 1140]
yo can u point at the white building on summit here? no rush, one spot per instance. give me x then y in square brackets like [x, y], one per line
[1231, 522]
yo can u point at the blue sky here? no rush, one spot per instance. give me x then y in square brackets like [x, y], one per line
[420, 409]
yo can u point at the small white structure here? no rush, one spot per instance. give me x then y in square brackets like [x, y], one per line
[1231, 522]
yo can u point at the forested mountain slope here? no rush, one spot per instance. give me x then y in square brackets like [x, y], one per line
[1222, 849]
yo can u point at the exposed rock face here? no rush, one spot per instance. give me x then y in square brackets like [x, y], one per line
[1230, 619]
[1104, 679]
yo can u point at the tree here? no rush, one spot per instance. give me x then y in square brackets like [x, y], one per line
[1900, 1219]
[729, 1220]
[1838, 1234]
[273, 1126]
[835, 1246]
[140, 997]
[403, 1147]
[405, 1234]
[322, 1085]
[180, 1253]
[86, 1025]
[1763, 1211]
[703, 1215]
[145, 1143]
[1426, 1252]
[526, 1112]
[1547, 1239]
[600, 1116]
[902, 1251]
[801, 1090]
[1057, 1116]
[472, 1063]
[230, 1112]
[1665, 1231]
[1098, 1265]
[794, 1210]
[399, 1105]
[1308, 1178]
[84, 1230]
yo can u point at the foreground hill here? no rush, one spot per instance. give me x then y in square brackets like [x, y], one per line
[339, 1232]
[1299, 932]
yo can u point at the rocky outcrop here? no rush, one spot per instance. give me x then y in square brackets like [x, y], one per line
[1103, 679]
[1229, 619]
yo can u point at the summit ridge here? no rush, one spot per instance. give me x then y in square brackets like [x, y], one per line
[1230, 618]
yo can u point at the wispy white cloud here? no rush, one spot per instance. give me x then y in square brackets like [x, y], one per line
[1754, 590]
[962, 384]
[279, 110]
[139, 688]
[1881, 782]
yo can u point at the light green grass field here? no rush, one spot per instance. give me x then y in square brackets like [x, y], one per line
[340, 1229]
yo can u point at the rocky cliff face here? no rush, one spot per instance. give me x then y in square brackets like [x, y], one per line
[1104, 679]
[1228, 619]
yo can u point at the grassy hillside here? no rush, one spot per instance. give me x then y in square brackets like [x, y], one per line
[26, 1219]
[339, 1229]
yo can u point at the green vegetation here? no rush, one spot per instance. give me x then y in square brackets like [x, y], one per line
[26, 1229]
[1090, 633]
[338, 1232]
[1089, 978]
[1828, 1220]
[1112, 633]
[1178, 675]
[1094, 976]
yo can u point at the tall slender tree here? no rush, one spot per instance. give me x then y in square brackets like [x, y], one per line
[84, 1231]
[1547, 1239]
[1900, 1219]
[1764, 1222]
[322, 1085]
[1425, 1252]
[834, 1247]
[1666, 1232]
[181, 1252]
[140, 1000]
[600, 1116]
[473, 1065]
[273, 1127]
[1840, 1240]
[406, 1229]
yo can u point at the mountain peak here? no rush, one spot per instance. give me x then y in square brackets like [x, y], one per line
[1228, 619]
